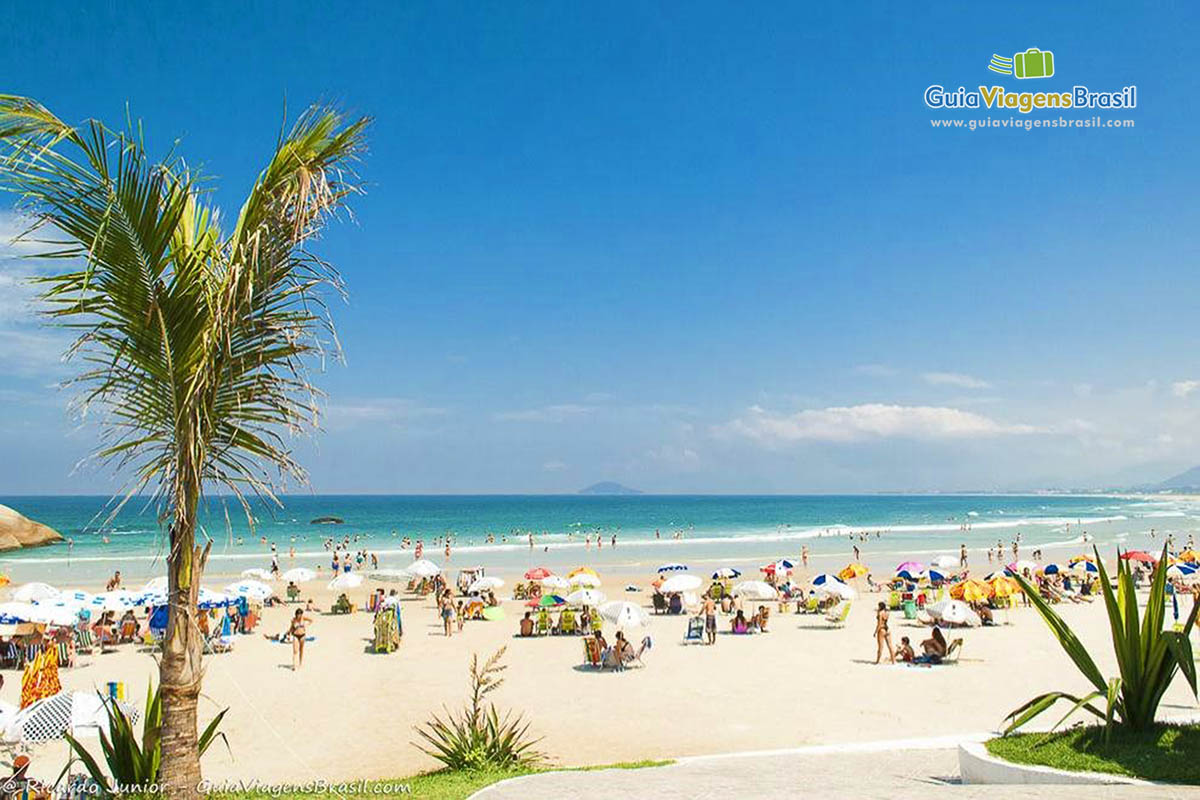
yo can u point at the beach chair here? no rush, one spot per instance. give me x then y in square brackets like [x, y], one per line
[953, 652]
[695, 630]
[591, 652]
[66, 654]
[216, 643]
[543, 623]
[128, 631]
[647, 643]
[566, 623]
[660, 603]
[837, 616]
[812, 604]
[10, 656]
[84, 643]
[894, 601]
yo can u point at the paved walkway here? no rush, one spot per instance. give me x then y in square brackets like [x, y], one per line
[917, 769]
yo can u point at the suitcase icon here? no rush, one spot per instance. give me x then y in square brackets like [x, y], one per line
[1033, 63]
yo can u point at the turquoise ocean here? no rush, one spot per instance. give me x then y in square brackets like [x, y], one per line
[700, 530]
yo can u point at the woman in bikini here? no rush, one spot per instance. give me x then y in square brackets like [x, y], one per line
[883, 637]
[297, 630]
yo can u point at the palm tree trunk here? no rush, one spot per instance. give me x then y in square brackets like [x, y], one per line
[180, 669]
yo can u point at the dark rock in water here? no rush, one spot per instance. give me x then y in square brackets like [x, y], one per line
[608, 487]
[327, 521]
[17, 531]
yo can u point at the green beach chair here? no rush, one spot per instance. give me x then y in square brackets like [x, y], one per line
[837, 618]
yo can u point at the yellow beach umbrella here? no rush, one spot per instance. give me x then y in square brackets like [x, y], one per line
[971, 591]
[582, 571]
[5, 580]
[1190, 556]
[852, 571]
[1077, 559]
[1004, 586]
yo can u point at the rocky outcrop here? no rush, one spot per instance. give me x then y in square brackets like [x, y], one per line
[17, 531]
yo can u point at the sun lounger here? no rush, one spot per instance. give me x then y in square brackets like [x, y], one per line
[953, 652]
[647, 643]
[695, 630]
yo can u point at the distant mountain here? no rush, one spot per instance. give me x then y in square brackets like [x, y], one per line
[1184, 480]
[608, 487]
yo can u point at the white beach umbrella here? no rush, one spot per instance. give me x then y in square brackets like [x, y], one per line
[77, 596]
[1177, 572]
[954, 612]
[299, 575]
[485, 584]
[555, 582]
[585, 579]
[1019, 567]
[824, 578]
[116, 600]
[726, 572]
[755, 590]
[51, 613]
[624, 614]
[34, 591]
[157, 585]
[15, 612]
[945, 562]
[679, 583]
[347, 580]
[250, 589]
[586, 597]
[209, 598]
[257, 572]
[839, 590]
[423, 568]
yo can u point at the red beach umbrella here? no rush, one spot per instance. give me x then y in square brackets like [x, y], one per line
[1138, 555]
[537, 574]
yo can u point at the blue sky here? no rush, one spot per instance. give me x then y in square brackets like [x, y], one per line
[688, 247]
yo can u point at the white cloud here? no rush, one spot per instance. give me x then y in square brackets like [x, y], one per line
[386, 411]
[955, 379]
[552, 413]
[554, 466]
[866, 422]
[1184, 388]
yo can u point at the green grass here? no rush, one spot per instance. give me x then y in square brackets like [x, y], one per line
[440, 785]
[1163, 753]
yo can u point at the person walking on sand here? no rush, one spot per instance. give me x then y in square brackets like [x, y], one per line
[297, 630]
[883, 637]
[804, 556]
[962, 555]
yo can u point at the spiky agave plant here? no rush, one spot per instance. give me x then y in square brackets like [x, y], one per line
[194, 340]
[1148, 657]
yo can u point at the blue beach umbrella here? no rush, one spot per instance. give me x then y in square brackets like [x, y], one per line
[1054, 569]
[672, 568]
[935, 575]
[1180, 571]
[825, 578]
[911, 575]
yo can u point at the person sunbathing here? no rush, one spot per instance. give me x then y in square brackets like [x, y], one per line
[527, 625]
[933, 649]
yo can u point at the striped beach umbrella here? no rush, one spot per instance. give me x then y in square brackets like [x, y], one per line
[824, 578]
[673, 567]
[726, 573]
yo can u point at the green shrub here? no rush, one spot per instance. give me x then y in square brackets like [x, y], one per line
[478, 738]
[1148, 656]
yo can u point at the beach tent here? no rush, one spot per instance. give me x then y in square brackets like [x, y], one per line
[725, 573]
[624, 614]
[300, 575]
[672, 568]
[585, 580]
[423, 568]
[755, 590]
[680, 583]
[555, 582]
[537, 574]
[30, 592]
[586, 597]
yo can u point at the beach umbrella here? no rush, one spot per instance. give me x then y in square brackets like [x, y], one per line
[839, 590]
[680, 583]
[30, 592]
[586, 580]
[555, 582]
[55, 613]
[945, 562]
[299, 575]
[209, 598]
[775, 567]
[1004, 586]
[1085, 567]
[250, 589]
[116, 600]
[423, 568]
[971, 591]
[1078, 559]
[954, 612]
[1180, 571]
[725, 573]
[1019, 567]
[485, 584]
[1054, 569]
[672, 568]
[77, 596]
[157, 585]
[380, 575]
[347, 580]
[913, 575]
[755, 590]
[912, 567]
[1190, 556]
[258, 573]
[537, 574]
[546, 601]
[851, 571]
[584, 571]
[936, 575]
[14, 612]
[586, 597]
[991, 576]
[824, 578]
[1138, 555]
[624, 614]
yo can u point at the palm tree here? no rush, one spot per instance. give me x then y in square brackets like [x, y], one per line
[194, 342]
